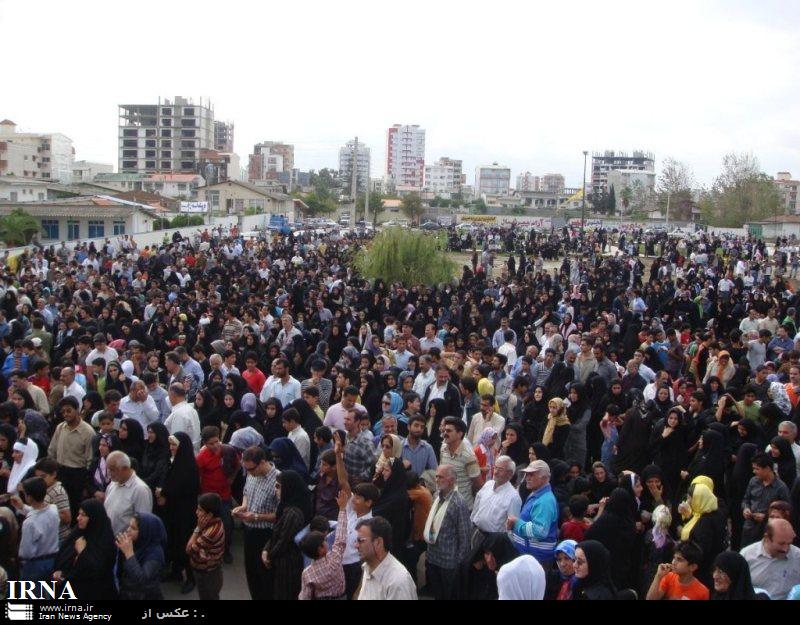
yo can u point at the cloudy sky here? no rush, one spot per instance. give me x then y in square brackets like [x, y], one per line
[530, 85]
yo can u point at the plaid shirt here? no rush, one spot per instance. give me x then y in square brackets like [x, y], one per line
[261, 498]
[324, 578]
[452, 541]
[359, 456]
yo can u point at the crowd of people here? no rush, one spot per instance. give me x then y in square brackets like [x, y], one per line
[613, 427]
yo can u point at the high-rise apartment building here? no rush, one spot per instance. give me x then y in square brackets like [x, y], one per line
[43, 156]
[790, 192]
[529, 182]
[405, 157]
[363, 167]
[444, 177]
[165, 137]
[492, 179]
[604, 162]
[223, 136]
[269, 158]
[553, 183]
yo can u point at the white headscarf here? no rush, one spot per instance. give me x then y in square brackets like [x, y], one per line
[30, 453]
[522, 579]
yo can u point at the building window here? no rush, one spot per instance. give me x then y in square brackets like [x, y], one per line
[188, 111]
[187, 165]
[150, 143]
[14, 196]
[50, 228]
[166, 154]
[150, 164]
[128, 164]
[166, 132]
[187, 144]
[213, 198]
[129, 143]
[166, 144]
[129, 132]
[181, 186]
[150, 154]
[129, 153]
[119, 227]
[150, 132]
[97, 228]
[73, 230]
[187, 154]
[187, 133]
[166, 165]
[166, 111]
[166, 122]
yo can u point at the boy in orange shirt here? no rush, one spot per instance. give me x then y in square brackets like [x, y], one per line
[677, 580]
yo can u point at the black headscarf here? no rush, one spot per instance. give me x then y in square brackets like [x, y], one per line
[787, 464]
[182, 479]
[158, 450]
[737, 569]
[309, 420]
[542, 452]
[501, 548]
[710, 460]
[133, 445]
[598, 559]
[518, 451]
[575, 410]
[294, 493]
[393, 504]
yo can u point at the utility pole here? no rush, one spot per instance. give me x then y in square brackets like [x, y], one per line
[669, 193]
[583, 194]
[366, 201]
[354, 187]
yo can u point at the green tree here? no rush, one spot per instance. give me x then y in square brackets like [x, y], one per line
[675, 184]
[182, 221]
[375, 204]
[518, 210]
[612, 201]
[18, 228]
[409, 256]
[319, 204]
[741, 194]
[412, 207]
[626, 196]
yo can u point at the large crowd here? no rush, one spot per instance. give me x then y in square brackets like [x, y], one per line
[618, 424]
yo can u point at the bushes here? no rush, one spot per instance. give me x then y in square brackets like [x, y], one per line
[410, 256]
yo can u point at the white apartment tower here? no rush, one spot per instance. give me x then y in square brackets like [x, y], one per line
[165, 137]
[405, 157]
[492, 179]
[362, 165]
[43, 156]
[529, 182]
[444, 177]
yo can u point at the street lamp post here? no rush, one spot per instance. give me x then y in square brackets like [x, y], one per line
[583, 194]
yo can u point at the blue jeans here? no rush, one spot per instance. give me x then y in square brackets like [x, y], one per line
[38, 570]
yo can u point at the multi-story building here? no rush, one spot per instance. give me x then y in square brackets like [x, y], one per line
[363, 167]
[405, 158]
[217, 166]
[492, 179]
[604, 162]
[165, 137]
[14, 189]
[641, 183]
[223, 136]
[84, 171]
[444, 177]
[44, 156]
[268, 159]
[790, 192]
[529, 182]
[554, 183]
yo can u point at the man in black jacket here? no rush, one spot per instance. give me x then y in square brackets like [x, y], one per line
[443, 388]
[562, 376]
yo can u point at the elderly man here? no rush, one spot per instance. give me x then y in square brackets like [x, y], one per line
[139, 405]
[496, 501]
[71, 386]
[447, 532]
[535, 531]
[183, 417]
[774, 561]
[127, 494]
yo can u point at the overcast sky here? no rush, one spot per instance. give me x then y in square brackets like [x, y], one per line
[527, 84]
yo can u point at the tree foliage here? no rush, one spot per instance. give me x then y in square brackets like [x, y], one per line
[18, 228]
[409, 256]
[319, 204]
[182, 221]
[741, 194]
[412, 207]
[612, 201]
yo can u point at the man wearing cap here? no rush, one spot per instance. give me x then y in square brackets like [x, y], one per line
[535, 531]
[101, 350]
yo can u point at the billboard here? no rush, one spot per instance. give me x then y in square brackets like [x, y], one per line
[194, 207]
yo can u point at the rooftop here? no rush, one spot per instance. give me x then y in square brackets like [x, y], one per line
[89, 206]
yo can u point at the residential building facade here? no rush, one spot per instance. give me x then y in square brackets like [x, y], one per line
[169, 185]
[554, 183]
[529, 182]
[166, 137]
[492, 179]
[235, 197]
[223, 136]
[642, 185]
[790, 192]
[363, 165]
[269, 158]
[44, 156]
[16, 189]
[445, 177]
[84, 171]
[405, 157]
[605, 162]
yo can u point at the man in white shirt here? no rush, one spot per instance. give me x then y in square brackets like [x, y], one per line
[509, 350]
[101, 350]
[425, 377]
[384, 576]
[497, 499]
[430, 340]
[71, 387]
[183, 417]
[774, 561]
[127, 494]
[139, 405]
[487, 417]
[280, 384]
[298, 436]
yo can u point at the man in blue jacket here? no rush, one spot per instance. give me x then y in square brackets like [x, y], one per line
[535, 532]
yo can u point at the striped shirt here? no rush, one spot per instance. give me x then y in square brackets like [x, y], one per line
[57, 496]
[324, 578]
[261, 497]
[207, 551]
[466, 466]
